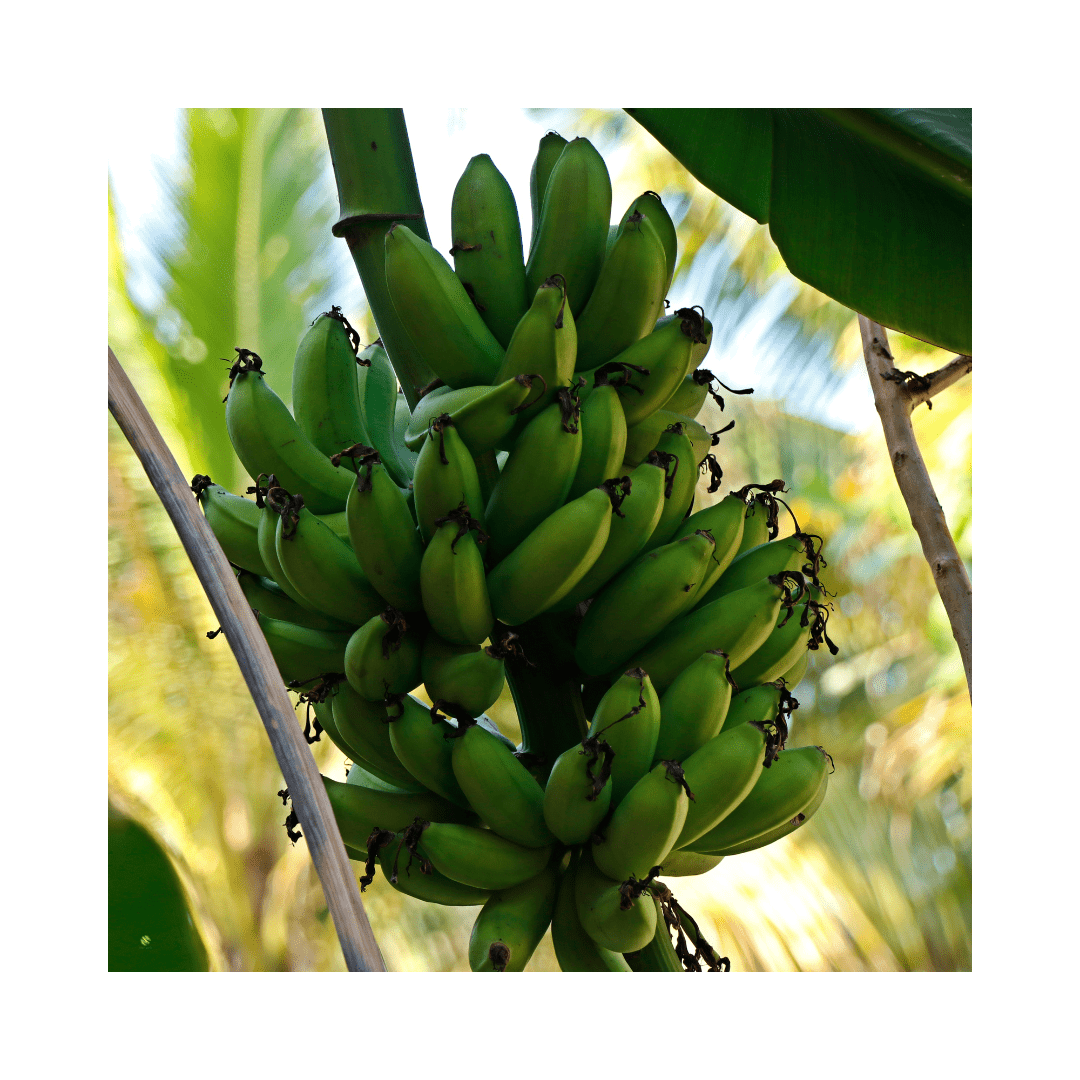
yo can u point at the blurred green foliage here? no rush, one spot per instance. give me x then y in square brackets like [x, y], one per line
[880, 879]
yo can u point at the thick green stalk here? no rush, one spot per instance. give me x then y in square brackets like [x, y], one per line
[377, 187]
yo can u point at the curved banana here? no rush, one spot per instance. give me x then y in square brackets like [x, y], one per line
[512, 923]
[577, 794]
[267, 536]
[402, 416]
[234, 521]
[499, 788]
[794, 552]
[377, 388]
[301, 653]
[758, 705]
[267, 439]
[487, 252]
[757, 525]
[325, 395]
[628, 293]
[572, 234]
[605, 920]
[478, 857]
[645, 825]
[536, 478]
[689, 863]
[693, 707]
[574, 949]
[463, 675]
[404, 874]
[675, 448]
[603, 440]
[364, 727]
[725, 521]
[267, 597]
[441, 320]
[553, 558]
[424, 748]
[445, 477]
[452, 582]
[794, 674]
[383, 657]
[782, 792]
[644, 436]
[631, 610]
[651, 205]
[551, 146]
[627, 718]
[779, 651]
[689, 397]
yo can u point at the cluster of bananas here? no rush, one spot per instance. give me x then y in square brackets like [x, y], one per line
[531, 520]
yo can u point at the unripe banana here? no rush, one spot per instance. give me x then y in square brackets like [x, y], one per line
[551, 146]
[377, 389]
[577, 794]
[301, 653]
[268, 598]
[359, 809]
[383, 657]
[757, 525]
[574, 949]
[424, 746]
[725, 521]
[464, 675]
[364, 726]
[689, 397]
[627, 718]
[479, 857]
[403, 872]
[499, 788]
[402, 415]
[628, 294]
[444, 325]
[512, 923]
[603, 440]
[794, 674]
[452, 581]
[779, 651]
[651, 205]
[773, 557]
[267, 439]
[700, 349]
[445, 477]
[689, 863]
[536, 477]
[782, 792]
[693, 707]
[234, 521]
[553, 558]
[268, 523]
[631, 610]
[676, 449]
[572, 234]
[487, 251]
[735, 624]
[758, 705]
[645, 824]
[629, 533]
[382, 532]
[643, 437]
[325, 395]
[321, 567]
[722, 774]
[599, 905]
[659, 954]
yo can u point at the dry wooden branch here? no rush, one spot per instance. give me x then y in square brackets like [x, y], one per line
[927, 517]
[936, 381]
[259, 670]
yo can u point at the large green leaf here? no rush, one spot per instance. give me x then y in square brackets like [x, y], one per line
[870, 206]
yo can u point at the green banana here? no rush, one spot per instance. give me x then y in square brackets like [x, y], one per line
[301, 653]
[722, 774]
[782, 792]
[487, 252]
[663, 357]
[267, 535]
[627, 718]
[267, 439]
[383, 657]
[653, 208]
[445, 477]
[377, 388]
[499, 788]
[677, 451]
[382, 531]
[645, 824]
[636, 606]
[577, 795]
[689, 397]
[551, 146]
[234, 521]
[779, 651]
[794, 674]
[794, 552]
[757, 526]
[364, 727]
[629, 533]
[643, 437]
[266, 596]
[700, 349]
[321, 567]
[512, 923]
[554, 557]
[537, 476]
[735, 624]
[424, 748]
[758, 705]
[432, 887]
[402, 416]
[572, 234]
[689, 863]
[452, 582]
[724, 520]
[441, 320]
[359, 809]
[478, 857]
[605, 920]
[659, 954]
[574, 949]
[463, 675]
[325, 395]
[628, 293]
[693, 707]
[603, 440]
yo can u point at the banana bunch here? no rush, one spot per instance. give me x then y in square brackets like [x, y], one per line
[531, 522]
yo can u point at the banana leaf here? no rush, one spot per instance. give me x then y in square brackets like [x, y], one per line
[870, 206]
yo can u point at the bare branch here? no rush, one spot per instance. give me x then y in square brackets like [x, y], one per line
[927, 517]
[260, 672]
[944, 377]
